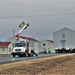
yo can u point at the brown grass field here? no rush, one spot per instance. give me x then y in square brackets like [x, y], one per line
[54, 65]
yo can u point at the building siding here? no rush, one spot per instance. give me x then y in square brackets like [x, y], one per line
[46, 44]
[3, 50]
[69, 37]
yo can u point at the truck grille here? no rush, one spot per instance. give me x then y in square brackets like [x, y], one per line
[17, 50]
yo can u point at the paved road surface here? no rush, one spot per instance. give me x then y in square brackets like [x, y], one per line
[10, 59]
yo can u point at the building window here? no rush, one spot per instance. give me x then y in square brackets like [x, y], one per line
[44, 44]
[3, 49]
[63, 36]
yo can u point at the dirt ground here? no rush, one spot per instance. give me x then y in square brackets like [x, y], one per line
[55, 65]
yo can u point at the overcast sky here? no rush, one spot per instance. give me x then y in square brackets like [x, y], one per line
[44, 17]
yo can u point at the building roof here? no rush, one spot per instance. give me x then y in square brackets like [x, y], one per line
[50, 41]
[29, 38]
[65, 28]
[4, 44]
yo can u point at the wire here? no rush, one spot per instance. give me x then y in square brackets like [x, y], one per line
[32, 16]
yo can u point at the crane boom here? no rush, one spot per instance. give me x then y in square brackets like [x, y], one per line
[22, 29]
[23, 26]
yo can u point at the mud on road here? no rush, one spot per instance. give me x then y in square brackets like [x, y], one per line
[62, 64]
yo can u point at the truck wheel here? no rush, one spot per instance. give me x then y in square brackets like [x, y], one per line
[13, 55]
[24, 55]
[29, 55]
[20, 55]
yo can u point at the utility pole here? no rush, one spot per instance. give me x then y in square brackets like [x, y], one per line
[13, 32]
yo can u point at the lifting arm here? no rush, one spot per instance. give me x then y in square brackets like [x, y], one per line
[22, 26]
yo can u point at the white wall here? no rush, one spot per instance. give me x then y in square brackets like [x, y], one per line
[3, 50]
[47, 45]
[36, 47]
[10, 48]
[69, 37]
[6, 50]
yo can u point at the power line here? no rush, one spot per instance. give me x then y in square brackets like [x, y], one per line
[32, 16]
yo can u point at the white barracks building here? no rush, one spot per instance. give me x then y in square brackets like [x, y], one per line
[64, 38]
[46, 44]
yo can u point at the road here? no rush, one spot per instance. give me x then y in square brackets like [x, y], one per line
[10, 59]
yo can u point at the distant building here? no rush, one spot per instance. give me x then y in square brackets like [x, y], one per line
[5, 47]
[46, 44]
[64, 38]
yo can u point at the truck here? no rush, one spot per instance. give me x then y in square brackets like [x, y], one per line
[22, 48]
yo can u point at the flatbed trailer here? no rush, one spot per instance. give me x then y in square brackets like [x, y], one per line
[64, 50]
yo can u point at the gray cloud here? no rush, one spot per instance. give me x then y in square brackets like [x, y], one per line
[45, 17]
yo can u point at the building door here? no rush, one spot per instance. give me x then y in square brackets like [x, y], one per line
[63, 44]
[63, 41]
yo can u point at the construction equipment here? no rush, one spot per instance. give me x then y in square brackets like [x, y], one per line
[22, 48]
[23, 26]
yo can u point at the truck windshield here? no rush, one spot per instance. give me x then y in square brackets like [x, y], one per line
[19, 44]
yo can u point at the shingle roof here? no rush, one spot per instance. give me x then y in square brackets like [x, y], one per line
[50, 41]
[4, 44]
[29, 38]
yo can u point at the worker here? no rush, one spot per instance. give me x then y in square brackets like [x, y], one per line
[27, 52]
[45, 50]
[33, 52]
[49, 50]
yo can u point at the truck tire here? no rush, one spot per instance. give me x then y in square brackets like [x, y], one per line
[20, 56]
[24, 55]
[32, 55]
[28, 55]
[13, 55]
